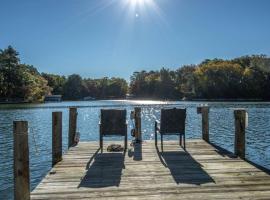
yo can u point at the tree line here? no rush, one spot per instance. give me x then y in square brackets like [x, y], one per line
[21, 82]
[74, 87]
[247, 77]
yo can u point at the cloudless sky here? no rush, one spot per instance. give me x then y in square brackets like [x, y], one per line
[97, 38]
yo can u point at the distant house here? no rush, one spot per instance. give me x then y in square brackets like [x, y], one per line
[53, 98]
[130, 96]
[89, 98]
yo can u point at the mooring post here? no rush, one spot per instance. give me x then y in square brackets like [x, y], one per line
[240, 129]
[138, 131]
[56, 137]
[205, 122]
[72, 125]
[21, 161]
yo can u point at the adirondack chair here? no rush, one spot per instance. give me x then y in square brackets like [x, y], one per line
[112, 123]
[172, 123]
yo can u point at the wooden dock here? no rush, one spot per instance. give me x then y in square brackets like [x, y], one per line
[201, 172]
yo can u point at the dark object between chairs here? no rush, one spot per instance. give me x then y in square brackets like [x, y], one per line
[114, 148]
[173, 122]
[112, 123]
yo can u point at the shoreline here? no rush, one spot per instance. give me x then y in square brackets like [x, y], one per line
[142, 99]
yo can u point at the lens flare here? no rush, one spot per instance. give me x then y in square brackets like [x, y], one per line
[144, 7]
[139, 2]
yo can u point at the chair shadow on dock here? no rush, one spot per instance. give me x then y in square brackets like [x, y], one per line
[184, 169]
[104, 170]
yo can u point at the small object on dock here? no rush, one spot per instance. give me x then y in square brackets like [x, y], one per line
[132, 115]
[115, 148]
[132, 132]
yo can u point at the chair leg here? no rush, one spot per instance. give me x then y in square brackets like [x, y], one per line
[184, 141]
[180, 140]
[155, 137]
[125, 142]
[161, 135]
[101, 143]
[156, 133]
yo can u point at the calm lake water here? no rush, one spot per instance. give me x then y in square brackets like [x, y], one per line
[39, 118]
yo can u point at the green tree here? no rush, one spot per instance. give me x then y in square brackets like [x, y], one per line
[9, 66]
[138, 85]
[56, 82]
[73, 88]
[34, 86]
[221, 79]
[20, 81]
[185, 80]
[167, 86]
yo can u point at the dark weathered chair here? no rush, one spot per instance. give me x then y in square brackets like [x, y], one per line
[112, 123]
[173, 122]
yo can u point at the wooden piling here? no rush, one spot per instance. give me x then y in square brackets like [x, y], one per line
[138, 131]
[21, 161]
[240, 129]
[56, 137]
[72, 125]
[205, 122]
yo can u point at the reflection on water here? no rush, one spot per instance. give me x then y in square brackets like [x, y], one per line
[39, 117]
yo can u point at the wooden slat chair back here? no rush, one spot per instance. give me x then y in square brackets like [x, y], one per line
[112, 123]
[172, 122]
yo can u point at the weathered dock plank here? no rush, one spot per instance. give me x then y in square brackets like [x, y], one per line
[144, 172]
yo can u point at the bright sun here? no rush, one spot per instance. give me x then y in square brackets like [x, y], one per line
[139, 2]
[137, 8]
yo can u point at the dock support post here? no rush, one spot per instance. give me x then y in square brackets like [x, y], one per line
[56, 137]
[72, 125]
[205, 122]
[240, 126]
[21, 161]
[138, 131]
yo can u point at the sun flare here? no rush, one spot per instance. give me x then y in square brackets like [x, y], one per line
[138, 7]
[138, 2]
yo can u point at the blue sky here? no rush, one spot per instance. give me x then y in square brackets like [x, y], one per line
[97, 38]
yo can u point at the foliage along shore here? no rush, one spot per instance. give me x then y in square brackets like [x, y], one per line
[244, 78]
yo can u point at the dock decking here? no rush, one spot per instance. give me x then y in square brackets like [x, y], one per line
[202, 172]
